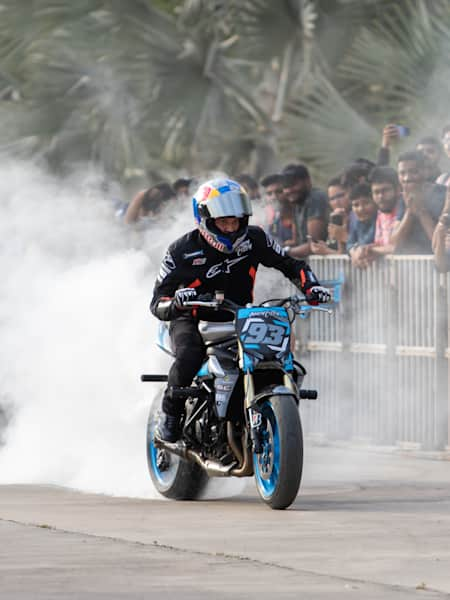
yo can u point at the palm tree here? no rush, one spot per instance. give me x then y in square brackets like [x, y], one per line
[206, 84]
[396, 70]
[133, 91]
[196, 89]
[393, 70]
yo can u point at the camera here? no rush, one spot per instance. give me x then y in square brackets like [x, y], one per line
[337, 219]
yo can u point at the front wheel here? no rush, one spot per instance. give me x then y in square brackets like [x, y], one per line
[278, 468]
[172, 476]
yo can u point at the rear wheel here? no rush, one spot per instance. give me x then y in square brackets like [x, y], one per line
[278, 468]
[172, 476]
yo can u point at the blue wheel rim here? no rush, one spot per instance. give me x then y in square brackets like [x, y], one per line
[167, 475]
[267, 464]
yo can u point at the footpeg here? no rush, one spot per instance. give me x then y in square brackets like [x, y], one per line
[153, 377]
[308, 394]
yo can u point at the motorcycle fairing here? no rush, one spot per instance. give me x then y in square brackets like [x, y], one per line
[204, 370]
[224, 387]
[225, 379]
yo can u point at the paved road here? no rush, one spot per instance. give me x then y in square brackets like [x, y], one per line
[366, 525]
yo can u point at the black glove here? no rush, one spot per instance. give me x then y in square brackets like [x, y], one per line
[317, 295]
[205, 297]
[184, 295]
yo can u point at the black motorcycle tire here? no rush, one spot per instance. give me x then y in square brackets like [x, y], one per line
[278, 469]
[183, 480]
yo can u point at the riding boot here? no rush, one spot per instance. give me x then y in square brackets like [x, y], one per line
[169, 423]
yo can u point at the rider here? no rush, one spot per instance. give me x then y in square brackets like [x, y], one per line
[223, 253]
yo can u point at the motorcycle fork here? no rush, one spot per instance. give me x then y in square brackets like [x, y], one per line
[252, 414]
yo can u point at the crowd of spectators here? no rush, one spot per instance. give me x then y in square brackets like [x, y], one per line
[369, 210]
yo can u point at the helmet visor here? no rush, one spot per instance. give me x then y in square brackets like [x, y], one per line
[229, 204]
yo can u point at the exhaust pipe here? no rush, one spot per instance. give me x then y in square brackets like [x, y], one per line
[232, 443]
[212, 467]
[245, 468]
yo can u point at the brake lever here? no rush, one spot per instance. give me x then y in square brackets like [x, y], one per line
[308, 307]
[202, 303]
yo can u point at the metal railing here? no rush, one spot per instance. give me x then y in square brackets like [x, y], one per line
[380, 362]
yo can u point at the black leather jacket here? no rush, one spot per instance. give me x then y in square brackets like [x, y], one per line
[191, 262]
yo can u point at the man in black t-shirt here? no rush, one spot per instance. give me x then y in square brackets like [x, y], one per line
[310, 208]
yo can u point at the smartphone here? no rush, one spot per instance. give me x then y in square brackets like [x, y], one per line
[337, 219]
[403, 131]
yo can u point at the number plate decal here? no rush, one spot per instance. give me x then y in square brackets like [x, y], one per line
[264, 332]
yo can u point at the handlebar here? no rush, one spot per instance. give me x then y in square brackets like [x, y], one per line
[295, 301]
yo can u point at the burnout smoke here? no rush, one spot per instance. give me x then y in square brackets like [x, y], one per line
[76, 333]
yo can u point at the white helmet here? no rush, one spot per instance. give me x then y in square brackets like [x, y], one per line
[221, 198]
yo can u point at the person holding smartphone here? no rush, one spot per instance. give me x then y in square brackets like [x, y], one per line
[340, 206]
[391, 133]
[429, 146]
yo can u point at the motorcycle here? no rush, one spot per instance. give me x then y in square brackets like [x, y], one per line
[242, 410]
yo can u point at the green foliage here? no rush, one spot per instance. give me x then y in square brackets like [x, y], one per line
[207, 84]
[168, 6]
[393, 66]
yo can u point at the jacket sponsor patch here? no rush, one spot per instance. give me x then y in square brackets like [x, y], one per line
[199, 261]
[167, 265]
[246, 246]
[223, 267]
[271, 243]
[192, 254]
[169, 262]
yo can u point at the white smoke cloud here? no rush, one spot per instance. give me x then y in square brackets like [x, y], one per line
[76, 333]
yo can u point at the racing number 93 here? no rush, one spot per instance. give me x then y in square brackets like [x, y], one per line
[263, 333]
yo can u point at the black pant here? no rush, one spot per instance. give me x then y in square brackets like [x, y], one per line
[189, 357]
